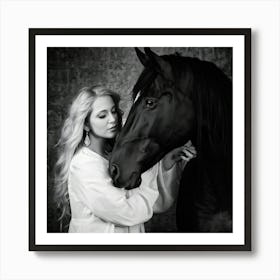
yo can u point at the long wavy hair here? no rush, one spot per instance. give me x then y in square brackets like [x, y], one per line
[72, 139]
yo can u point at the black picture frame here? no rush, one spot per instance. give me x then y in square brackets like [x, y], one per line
[33, 33]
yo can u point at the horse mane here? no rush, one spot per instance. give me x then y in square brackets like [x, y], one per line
[211, 93]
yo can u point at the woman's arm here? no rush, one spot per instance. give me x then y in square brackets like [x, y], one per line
[92, 184]
[170, 170]
[168, 182]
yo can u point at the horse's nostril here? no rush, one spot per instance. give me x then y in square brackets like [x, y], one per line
[135, 180]
[114, 172]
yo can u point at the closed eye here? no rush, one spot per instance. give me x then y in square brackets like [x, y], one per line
[101, 116]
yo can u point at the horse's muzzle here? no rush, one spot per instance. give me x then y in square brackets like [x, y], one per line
[133, 182]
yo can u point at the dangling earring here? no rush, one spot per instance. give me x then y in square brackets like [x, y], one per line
[87, 140]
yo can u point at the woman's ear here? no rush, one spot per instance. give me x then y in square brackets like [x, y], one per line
[86, 128]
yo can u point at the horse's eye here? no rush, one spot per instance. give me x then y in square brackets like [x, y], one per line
[150, 103]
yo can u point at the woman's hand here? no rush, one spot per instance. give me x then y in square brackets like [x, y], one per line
[186, 152]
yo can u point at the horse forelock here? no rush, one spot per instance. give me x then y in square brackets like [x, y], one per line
[144, 81]
[149, 74]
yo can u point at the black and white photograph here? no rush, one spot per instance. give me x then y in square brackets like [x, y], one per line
[140, 140]
[140, 131]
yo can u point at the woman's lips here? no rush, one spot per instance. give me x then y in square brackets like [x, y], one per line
[113, 128]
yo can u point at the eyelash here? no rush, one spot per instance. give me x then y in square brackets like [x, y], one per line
[114, 111]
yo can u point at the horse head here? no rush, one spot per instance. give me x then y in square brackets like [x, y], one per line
[160, 120]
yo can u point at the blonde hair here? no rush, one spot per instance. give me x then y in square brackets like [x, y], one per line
[71, 140]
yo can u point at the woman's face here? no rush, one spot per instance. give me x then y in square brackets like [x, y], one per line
[104, 119]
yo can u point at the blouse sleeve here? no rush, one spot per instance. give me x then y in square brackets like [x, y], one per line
[168, 182]
[93, 185]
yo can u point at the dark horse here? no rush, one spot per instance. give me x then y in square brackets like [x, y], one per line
[181, 99]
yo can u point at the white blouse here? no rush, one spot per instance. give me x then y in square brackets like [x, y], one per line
[98, 206]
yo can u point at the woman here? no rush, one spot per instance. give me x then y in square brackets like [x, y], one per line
[82, 176]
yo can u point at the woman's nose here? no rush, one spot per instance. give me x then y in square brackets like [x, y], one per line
[112, 118]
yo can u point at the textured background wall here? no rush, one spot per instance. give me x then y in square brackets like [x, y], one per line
[70, 69]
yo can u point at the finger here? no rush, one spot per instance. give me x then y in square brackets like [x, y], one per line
[188, 154]
[191, 150]
[185, 158]
[188, 144]
[193, 154]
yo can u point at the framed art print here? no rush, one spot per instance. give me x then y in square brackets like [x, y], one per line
[176, 86]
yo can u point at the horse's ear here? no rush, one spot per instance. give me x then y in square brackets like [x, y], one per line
[142, 57]
[162, 66]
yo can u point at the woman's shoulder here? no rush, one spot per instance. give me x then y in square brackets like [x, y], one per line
[84, 156]
[85, 163]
